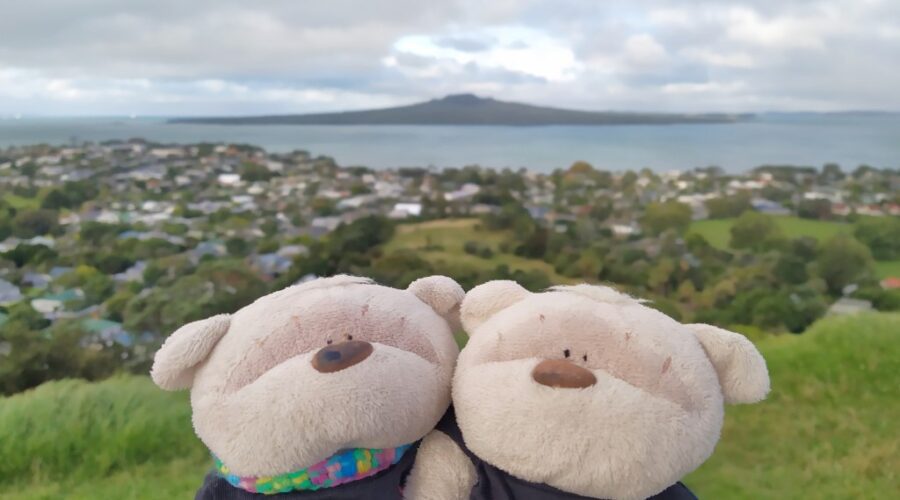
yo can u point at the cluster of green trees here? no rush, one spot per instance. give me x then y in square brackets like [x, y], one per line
[37, 352]
[43, 220]
[765, 279]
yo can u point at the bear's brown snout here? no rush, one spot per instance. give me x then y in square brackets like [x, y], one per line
[336, 357]
[563, 374]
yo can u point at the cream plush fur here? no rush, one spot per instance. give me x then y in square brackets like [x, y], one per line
[261, 407]
[654, 414]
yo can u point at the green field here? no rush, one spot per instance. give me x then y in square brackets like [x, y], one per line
[828, 430]
[718, 231]
[888, 268]
[21, 203]
[441, 242]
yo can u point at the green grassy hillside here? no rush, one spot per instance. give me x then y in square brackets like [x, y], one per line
[828, 430]
[121, 438]
[829, 427]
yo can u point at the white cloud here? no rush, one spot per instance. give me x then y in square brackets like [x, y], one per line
[644, 51]
[713, 58]
[515, 49]
[747, 26]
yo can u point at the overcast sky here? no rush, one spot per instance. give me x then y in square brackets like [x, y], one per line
[183, 57]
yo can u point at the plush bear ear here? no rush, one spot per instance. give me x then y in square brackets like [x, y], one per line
[174, 362]
[741, 368]
[488, 299]
[442, 294]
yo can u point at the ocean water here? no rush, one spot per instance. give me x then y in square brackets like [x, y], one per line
[849, 139]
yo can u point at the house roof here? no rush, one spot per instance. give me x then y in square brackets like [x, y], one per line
[97, 325]
[846, 305]
[65, 295]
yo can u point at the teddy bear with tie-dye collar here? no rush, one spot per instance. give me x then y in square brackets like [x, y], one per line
[320, 390]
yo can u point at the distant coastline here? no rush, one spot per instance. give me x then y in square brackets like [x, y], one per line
[805, 139]
[468, 109]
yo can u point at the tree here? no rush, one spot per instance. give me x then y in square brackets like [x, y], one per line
[659, 278]
[831, 173]
[111, 263]
[628, 180]
[219, 286]
[581, 167]
[254, 172]
[728, 206]
[347, 249]
[399, 268]
[29, 254]
[6, 215]
[269, 227]
[881, 235]
[55, 200]
[791, 269]
[96, 286]
[601, 209]
[659, 217]
[814, 209]
[323, 206]
[237, 247]
[96, 233]
[115, 305]
[753, 231]
[62, 351]
[535, 244]
[842, 261]
[30, 223]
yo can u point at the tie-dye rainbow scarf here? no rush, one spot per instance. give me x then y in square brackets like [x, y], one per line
[343, 467]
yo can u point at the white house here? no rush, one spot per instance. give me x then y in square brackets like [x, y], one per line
[404, 210]
[229, 179]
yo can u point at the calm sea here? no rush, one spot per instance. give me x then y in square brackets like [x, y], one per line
[801, 139]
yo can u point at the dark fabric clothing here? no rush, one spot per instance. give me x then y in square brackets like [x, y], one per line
[386, 485]
[495, 484]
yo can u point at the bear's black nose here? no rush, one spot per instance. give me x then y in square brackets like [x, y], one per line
[336, 357]
[563, 374]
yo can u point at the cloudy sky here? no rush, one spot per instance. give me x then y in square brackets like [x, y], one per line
[178, 57]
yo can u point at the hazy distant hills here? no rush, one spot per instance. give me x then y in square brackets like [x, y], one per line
[468, 109]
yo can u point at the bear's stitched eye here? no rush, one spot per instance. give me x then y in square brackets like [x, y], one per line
[349, 337]
[584, 357]
[328, 341]
[566, 353]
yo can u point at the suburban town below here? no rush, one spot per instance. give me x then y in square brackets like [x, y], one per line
[106, 248]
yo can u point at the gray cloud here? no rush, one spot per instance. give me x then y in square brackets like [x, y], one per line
[466, 43]
[230, 56]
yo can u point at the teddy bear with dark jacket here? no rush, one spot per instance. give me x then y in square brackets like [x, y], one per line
[581, 392]
[322, 390]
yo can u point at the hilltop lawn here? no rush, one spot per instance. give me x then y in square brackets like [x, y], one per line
[828, 430]
[120, 438]
[829, 427]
